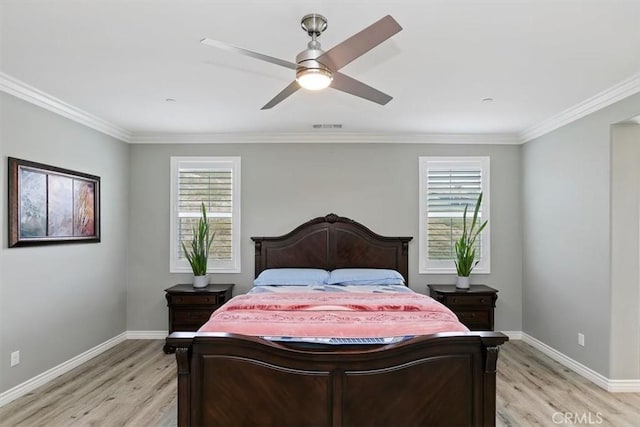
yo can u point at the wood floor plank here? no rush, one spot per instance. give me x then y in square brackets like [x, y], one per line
[134, 384]
[533, 389]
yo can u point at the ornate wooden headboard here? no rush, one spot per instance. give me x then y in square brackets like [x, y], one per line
[331, 242]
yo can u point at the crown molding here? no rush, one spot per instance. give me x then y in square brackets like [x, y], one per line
[622, 90]
[326, 137]
[37, 97]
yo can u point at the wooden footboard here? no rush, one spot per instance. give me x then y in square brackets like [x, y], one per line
[446, 379]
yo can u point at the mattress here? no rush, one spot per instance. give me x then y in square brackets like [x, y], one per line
[333, 317]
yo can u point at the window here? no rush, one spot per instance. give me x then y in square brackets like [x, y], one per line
[214, 181]
[447, 185]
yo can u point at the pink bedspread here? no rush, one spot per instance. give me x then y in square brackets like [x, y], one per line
[328, 314]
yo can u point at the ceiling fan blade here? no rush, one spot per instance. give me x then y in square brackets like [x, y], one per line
[286, 92]
[360, 43]
[256, 55]
[352, 86]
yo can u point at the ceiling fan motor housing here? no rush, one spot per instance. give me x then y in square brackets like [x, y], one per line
[307, 59]
[314, 24]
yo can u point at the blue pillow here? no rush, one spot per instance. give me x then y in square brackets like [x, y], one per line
[292, 276]
[373, 282]
[365, 276]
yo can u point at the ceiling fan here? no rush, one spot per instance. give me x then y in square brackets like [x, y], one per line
[317, 69]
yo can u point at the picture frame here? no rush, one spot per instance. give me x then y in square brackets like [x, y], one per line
[51, 205]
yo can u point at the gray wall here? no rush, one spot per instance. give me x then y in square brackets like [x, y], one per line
[57, 302]
[625, 252]
[562, 227]
[566, 244]
[284, 185]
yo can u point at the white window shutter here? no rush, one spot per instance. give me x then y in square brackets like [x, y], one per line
[447, 186]
[214, 181]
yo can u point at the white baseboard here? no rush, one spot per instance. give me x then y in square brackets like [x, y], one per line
[35, 382]
[615, 386]
[624, 386]
[513, 335]
[146, 335]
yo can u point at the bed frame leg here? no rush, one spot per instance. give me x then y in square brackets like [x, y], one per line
[489, 409]
[184, 386]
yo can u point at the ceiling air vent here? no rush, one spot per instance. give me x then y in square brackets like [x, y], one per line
[327, 126]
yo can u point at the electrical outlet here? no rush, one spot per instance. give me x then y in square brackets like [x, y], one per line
[580, 339]
[15, 358]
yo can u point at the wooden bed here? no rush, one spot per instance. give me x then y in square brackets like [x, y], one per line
[445, 379]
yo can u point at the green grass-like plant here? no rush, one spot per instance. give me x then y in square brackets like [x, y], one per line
[465, 252]
[198, 254]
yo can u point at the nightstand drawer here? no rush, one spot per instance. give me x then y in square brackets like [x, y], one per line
[459, 300]
[194, 299]
[196, 317]
[473, 318]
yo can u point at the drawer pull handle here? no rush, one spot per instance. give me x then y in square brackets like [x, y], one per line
[454, 300]
[482, 300]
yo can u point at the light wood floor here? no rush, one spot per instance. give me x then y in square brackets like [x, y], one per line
[534, 390]
[133, 384]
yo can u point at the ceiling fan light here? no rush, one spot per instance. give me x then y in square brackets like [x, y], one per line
[314, 78]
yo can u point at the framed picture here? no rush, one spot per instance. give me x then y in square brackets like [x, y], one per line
[49, 205]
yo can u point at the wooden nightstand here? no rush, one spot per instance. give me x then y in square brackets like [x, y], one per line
[190, 308]
[473, 306]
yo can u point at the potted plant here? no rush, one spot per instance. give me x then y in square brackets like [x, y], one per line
[198, 253]
[465, 252]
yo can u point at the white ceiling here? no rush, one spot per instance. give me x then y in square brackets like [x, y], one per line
[120, 60]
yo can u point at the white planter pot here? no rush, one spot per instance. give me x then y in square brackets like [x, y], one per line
[462, 282]
[200, 281]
